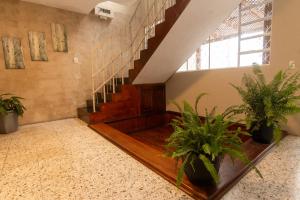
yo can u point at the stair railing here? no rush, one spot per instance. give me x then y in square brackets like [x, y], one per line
[147, 14]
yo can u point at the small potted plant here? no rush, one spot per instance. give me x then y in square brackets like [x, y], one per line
[266, 105]
[10, 108]
[201, 144]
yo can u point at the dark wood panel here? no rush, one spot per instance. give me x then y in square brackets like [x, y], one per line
[147, 100]
[153, 98]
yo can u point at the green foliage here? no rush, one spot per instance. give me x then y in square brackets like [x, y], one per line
[269, 102]
[204, 140]
[12, 103]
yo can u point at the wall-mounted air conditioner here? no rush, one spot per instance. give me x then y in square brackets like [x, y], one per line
[104, 13]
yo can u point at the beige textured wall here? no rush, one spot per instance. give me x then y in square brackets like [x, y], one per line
[285, 47]
[53, 89]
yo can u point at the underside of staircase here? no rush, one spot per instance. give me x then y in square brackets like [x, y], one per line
[161, 30]
[134, 100]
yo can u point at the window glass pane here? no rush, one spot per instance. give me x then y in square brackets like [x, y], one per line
[250, 59]
[250, 34]
[204, 57]
[192, 62]
[252, 29]
[183, 67]
[223, 53]
[252, 44]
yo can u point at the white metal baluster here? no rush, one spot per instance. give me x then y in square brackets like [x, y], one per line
[123, 77]
[121, 70]
[113, 78]
[93, 84]
[239, 34]
[104, 89]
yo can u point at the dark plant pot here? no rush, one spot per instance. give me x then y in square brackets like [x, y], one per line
[199, 174]
[264, 134]
[89, 105]
[9, 123]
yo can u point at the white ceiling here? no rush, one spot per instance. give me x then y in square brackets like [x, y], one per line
[80, 6]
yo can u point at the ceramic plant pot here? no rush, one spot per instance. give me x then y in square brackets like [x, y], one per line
[264, 134]
[198, 173]
[9, 122]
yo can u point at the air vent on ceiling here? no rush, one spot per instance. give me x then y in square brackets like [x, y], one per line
[104, 13]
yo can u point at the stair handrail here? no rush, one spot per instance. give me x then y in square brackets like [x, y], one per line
[130, 47]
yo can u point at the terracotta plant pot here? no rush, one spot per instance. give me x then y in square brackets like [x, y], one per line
[264, 134]
[9, 122]
[198, 174]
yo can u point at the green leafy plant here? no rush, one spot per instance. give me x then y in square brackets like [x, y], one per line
[204, 140]
[269, 102]
[9, 102]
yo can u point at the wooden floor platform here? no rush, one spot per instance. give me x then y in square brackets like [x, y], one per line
[154, 137]
[147, 146]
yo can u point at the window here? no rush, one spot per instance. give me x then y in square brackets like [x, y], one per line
[243, 39]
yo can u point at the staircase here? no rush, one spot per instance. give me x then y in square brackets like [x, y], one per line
[114, 97]
[119, 89]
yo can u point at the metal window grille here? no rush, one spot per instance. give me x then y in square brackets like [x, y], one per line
[247, 30]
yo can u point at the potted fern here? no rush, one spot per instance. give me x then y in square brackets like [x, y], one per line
[201, 144]
[10, 108]
[266, 105]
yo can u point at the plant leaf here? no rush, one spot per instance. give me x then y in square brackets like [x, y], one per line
[210, 167]
[197, 101]
[181, 171]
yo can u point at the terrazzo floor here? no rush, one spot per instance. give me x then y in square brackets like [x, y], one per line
[67, 160]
